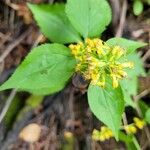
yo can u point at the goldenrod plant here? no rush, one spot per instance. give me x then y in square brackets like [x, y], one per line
[96, 61]
[111, 67]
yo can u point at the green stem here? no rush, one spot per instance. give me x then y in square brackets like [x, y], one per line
[136, 143]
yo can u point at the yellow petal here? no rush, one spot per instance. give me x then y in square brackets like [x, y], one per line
[130, 129]
[139, 123]
[115, 81]
[127, 65]
[95, 135]
[122, 73]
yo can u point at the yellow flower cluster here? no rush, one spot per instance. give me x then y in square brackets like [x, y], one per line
[104, 134]
[132, 128]
[96, 61]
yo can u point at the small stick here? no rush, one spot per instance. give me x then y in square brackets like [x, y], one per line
[147, 54]
[136, 98]
[8, 102]
[4, 38]
[142, 94]
[124, 117]
[14, 44]
[122, 19]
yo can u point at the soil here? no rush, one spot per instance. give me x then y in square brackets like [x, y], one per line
[66, 111]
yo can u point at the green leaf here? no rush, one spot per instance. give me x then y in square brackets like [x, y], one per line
[127, 96]
[129, 140]
[128, 45]
[147, 115]
[138, 69]
[131, 81]
[130, 84]
[124, 137]
[54, 24]
[138, 7]
[107, 105]
[89, 17]
[45, 70]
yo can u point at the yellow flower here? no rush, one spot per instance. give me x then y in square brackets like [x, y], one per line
[130, 129]
[102, 138]
[96, 135]
[139, 123]
[127, 65]
[101, 82]
[96, 61]
[114, 80]
[104, 134]
[103, 128]
[117, 52]
[122, 73]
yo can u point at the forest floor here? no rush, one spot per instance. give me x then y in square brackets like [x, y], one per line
[64, 118]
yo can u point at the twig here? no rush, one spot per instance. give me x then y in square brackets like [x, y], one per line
[116, 12]
[14, 44]
[122, 19]
[12, 5]
[136, 98]
[145, 145]
[8, 102]
[138, 33]
[147, 54]
[71, 103]
[124, 117]
[12, 18]
[13, 93]
[4, 38]
[37, 41]
[1, 35]
[147, 134]
[142, 94]
[1, 67]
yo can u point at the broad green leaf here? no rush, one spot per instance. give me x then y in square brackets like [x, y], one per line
[147, 115]
[53, 23]
[89, 17]
[138, 69]
[127, 97]
[107, 104]
[129, 45]
[45, 70]
[130, 84]
[138, 7]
